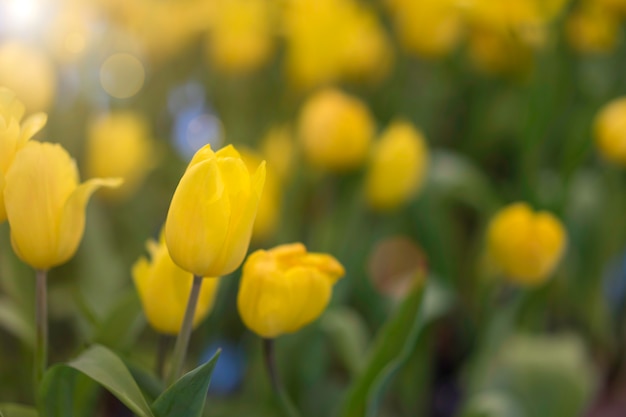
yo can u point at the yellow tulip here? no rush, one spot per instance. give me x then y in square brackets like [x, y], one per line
[118, 145]
[525, 245]
[278, 149]
[241, 38]
[335, 130]
[610, 131]
[164, 289]
[210, 219]
[13, 135]
[285, 288]
[593, 29]
[398, 166]
[269, 205]
[45, 204]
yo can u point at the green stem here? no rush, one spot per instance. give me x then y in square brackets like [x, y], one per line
[182, 341]
[41, 324]
[163, 345]
[289, 410]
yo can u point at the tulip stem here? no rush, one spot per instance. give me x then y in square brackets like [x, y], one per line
[41, 324]
[289, 410]
[163, 345]
[182, 341]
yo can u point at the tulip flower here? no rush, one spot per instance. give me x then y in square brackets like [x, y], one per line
[285, 288]
[14, 133]
[45, 204]
[212, 212]
[610, 131]
[398, 167]
[277, 146]
[164, 288]
[335, 130]
[527, 246]
[118, 145]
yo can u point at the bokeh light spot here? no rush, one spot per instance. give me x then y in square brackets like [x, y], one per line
[122, 75]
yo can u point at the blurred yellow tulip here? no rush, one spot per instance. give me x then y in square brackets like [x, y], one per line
[593, 29]
[14, 133]
[269, 205]
[277, 147]
[429, 28]
[335, 130]
[45, 204]
[212, 212]
[164, 289]
[119, 145]
[285, 288]
[525, 245]
[610, 131]
[398, 166]
[240, 38]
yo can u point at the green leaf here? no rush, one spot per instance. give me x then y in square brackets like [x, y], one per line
[186, 397]
[123, 324]
[17, 410]
[99, 364]
[393, 346]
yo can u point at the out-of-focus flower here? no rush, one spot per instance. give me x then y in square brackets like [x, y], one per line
[329, 40]
[277, 147]
[525, 245]
[14, 133]
[398, 166]
[592, 29]
[34, 80]
[119, 145]
[212, 212]
[430, 28]
[335, 130]
[45, 204]
[617, 7]
[240, 37]
[269, 205]
[285, 288]
[494, 53]
[164, 289]
[610, 131]
[70, 32]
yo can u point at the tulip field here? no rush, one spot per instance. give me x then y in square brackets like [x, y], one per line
[304, 208]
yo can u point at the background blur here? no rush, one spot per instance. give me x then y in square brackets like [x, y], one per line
[505, 94]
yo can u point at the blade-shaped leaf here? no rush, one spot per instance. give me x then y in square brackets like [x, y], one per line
[17, 410]
[187, 396]
[99, 364]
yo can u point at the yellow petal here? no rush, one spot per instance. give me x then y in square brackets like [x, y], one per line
[72, 221]
[310, 292]
[197, 221]
[38, 184]
[32, 125]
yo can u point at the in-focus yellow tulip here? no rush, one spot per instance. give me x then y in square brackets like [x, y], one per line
[13, 134]
[45, 204]
[398, 166]
[241, 38]
[285, 288]
[269, 205]
[525, 245]
[118, 145]
[335, 130]
[164, 289]
[610, 131]
[211, 215]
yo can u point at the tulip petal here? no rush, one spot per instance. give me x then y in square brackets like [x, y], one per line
[3, 212]
[197, 221]
[72, 222]
[10, 105]
[32, 125]
[244, 211]
[8, 144]
[38, 184]
[310, 293]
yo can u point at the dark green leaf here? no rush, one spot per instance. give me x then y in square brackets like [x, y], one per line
[187, 396]
[17, 410]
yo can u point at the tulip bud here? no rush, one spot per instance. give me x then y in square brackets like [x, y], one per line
[525, 245]
[164, 288]
[118, 145]
[45, 204]
[210, 219]
[13, 135]
[335, 130]
[398, 167]
[285, 288]
[610, 131]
